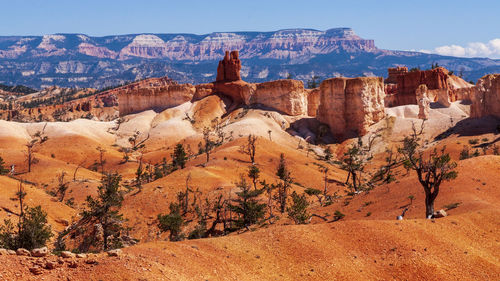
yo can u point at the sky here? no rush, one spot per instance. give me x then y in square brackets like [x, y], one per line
[448, 27]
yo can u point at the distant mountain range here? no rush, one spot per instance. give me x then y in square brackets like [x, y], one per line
[77, 60]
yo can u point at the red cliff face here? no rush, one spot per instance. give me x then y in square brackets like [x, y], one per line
[229, 68]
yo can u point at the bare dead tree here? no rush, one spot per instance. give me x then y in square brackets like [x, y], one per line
[268, 188]
[136, 143]
[209, 144]
[325, 172]
[102, 161]
[77, 168]
[218, 207]
[62, 186]
[250, 147]
[38, 138]
[431, 170]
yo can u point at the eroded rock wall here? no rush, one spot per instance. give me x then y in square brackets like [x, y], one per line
[393, 73]
[156, 98]
[350, 105]
[409, 82]
[287, 96]
[312, 101]
[486, 97]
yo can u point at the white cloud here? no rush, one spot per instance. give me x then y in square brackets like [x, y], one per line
[490, 49]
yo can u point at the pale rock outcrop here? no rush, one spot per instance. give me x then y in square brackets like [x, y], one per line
[23, 252]
[114, 253]
[287, 96]
[67, 254]
[442, 96]
[159, 98]
[40, 252]
[423, 102]
[350, 105]
[486, 98]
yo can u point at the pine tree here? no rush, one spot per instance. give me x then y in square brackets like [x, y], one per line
[298, 210]
[247, 205]
[3, 170]
[105, 208]
[172, 222]
[286, 181]
[179, 157]
[253, 173]
[32, 229]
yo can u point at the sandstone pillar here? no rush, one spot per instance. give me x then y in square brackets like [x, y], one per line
[423, 102]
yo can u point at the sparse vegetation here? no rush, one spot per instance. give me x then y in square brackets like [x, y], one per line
[298, 210]
[473, 141]
[38, 138]
[32, 228]
[314, 82]
[250, 148]
[286, 180]
[247, 205]
[3, 169]
[431, 170]
[253, 173]
[172, 222]
[104, 209]
[451, 206]
[179, 157]
[338, 215]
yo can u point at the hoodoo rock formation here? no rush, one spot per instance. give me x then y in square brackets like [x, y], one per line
[393, 74]
[442, 86]
[486, 99]
[407, 83]
[287, 96]
[423, 102]
[313, 101]
[350, 105]
[229, 68]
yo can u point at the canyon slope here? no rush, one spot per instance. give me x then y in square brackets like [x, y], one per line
[70, 60]
[302, 138]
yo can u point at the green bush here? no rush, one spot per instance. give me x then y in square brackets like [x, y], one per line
[172, 222]
[298, 210]
[338, 215]
[3, 169]
[33, 231]
[473, 141]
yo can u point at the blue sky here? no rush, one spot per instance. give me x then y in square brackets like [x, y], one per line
[398, 24]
